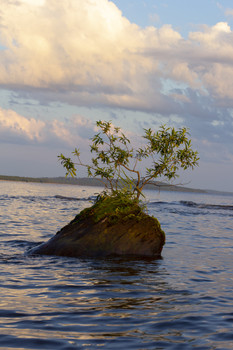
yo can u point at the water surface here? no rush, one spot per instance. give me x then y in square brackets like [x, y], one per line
[182, 301]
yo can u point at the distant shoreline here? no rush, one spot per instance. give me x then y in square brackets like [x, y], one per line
[157, 185]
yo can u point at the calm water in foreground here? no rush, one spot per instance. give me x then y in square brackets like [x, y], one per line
[183, 301]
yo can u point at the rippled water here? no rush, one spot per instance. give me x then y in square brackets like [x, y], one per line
[183, 301]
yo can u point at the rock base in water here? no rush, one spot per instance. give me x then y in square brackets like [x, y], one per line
[107, 228]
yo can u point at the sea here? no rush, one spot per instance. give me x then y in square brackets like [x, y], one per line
[182, 301]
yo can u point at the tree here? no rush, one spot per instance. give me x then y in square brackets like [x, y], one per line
[115, 161]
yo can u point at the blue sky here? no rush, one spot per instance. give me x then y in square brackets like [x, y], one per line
[184, 15]
[66, 64]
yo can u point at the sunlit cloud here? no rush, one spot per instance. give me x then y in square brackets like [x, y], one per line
[19, 129]
[14, 124]
[87, 53]
[34, 2]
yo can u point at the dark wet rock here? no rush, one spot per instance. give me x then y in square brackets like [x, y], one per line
[106, 229]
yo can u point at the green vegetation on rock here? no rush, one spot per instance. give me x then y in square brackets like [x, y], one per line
[119, 206]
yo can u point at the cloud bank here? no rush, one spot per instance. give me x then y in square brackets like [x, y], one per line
[86, 52]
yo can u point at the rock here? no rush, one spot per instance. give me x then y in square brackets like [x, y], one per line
[107, 228]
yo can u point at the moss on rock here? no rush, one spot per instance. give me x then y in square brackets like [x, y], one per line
[114, 225]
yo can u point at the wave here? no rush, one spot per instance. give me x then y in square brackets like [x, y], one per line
[191, 204]
[58, 197]
[207, 206]
[46, 198]
[91, 198]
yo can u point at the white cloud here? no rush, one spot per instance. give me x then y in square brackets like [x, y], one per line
[83, 51]
[13, 123]
[19, 129]
[34, 2]
[87, 53]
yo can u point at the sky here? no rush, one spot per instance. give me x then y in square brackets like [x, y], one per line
[139, 63]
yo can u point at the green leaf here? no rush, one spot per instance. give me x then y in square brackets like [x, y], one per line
[166, 150]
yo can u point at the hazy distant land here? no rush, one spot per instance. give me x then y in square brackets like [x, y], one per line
[157, 185]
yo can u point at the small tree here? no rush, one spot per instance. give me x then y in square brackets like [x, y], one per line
[115, 161]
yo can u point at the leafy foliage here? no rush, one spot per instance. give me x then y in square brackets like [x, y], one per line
[115, 161]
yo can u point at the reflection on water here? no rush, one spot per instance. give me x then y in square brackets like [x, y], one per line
[183, 301]
[87, 300]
